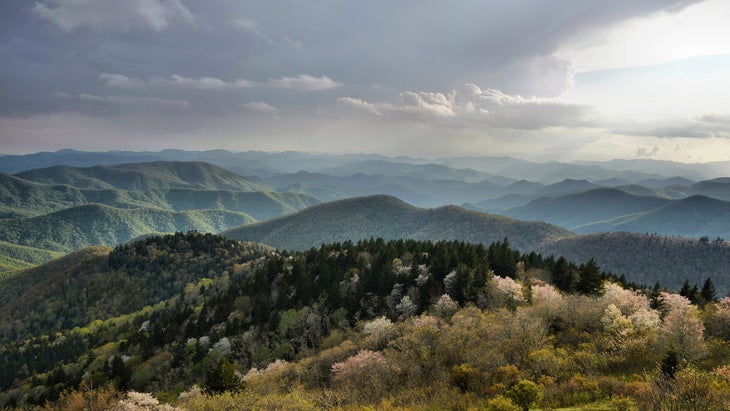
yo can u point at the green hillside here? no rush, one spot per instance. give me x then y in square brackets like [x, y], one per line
[144, 176]
[261, 205]
[646, 259]
[14, 257]
[205, 323]
[390, 218]
[98, 282]
[95, 224]
[22, 198]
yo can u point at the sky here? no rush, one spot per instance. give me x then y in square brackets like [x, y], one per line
[535, 79]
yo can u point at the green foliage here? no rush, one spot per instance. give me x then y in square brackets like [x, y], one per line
[501, 403]
[87, 225]
[524, 394]
[222, 378]
[326, 328]
[464, 376]
[589, 279]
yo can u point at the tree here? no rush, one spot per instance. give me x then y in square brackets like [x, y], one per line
[524, 394]
[589, 279]
[222, 378]
[561, 276]
[121, 374]
[670, 363]
[708, 292]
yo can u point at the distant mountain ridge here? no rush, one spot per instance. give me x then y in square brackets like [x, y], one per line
[144, 176]
[614, 209]
[390, 218]
[585, 207]
[63, 208]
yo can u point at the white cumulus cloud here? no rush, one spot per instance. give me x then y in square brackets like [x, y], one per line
[471, 106]
[301, 83]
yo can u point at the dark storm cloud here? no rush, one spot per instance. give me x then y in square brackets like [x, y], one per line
[195, 58]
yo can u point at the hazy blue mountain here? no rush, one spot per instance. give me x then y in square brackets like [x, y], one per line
[718, 188]
[391, 218]
[266, 164]
[566, 186]
[666, 182]
[421, 191]
[586, 207]
[429, 171]
[696, 171]
[144, 176]
[694, 217]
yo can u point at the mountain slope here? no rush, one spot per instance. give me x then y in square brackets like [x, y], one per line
[649, 258]
[578, 209]
[95, 224]
[695, 216]
[261, 205]
[390, 218]
[144, 176]
[98, 282]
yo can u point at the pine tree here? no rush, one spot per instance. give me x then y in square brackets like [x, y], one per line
[562, 277]
[708, 292]
[222, 378]
[589, 279]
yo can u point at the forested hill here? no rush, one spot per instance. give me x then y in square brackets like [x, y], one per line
[646, 258]
[146, 301]
[95, 224]
[368, 324]
[390, 218]
[144, 176]
[99, 283]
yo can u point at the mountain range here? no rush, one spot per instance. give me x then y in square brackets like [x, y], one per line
[298, 200]
[390, 218]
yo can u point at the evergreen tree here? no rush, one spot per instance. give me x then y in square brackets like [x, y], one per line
[562, 277]
[686, 290]
[222, 378]
[670, 363]
[708, 292]
[120, 373]
[589, 279]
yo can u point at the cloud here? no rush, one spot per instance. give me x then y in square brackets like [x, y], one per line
[120, 81]
[686, 131]
[252, 26]
[715, 118]
[127, 101]
[471, 106]
[260, 107]
[112, 15]
[704, 127]
[644, 152]
[301, 83]
[304, 82]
